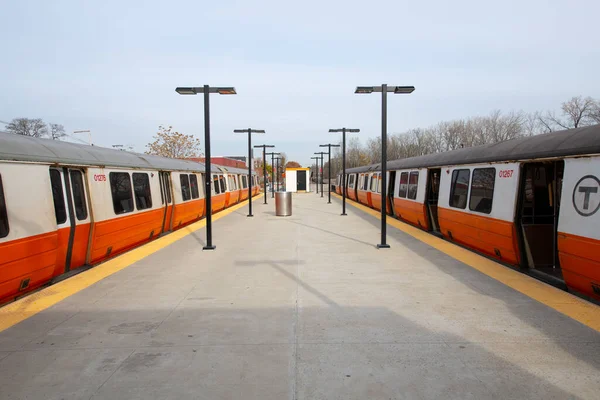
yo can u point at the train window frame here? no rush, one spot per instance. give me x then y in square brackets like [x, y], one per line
[215, 184]
[120, 201]
[373, 183]
[4, 225]
[400, 193]
[491, 203]
[79, 200]
[160, 183]
[143, 193]
[453, 182]
[186, 191]
[61, 198]
[410, 186]
[222, 183]
[379, 183]
[167, 181]
[244, 182]
[194, 186]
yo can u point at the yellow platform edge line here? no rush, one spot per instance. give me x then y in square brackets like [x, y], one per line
[19, 310]
[557, 299]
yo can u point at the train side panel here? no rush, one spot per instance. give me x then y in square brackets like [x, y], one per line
[407, 209]
[28, 253]
[190, 210]
[493, 234]
[579, 226]
[113, 232]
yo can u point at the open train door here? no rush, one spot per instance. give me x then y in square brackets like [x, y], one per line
[431, 199]
[537, 218]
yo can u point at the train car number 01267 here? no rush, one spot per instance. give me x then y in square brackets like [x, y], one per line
[506, 173]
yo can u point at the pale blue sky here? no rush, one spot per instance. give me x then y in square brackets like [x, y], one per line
[112, 66]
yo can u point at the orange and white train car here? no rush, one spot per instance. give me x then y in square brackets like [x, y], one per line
[63, 205]
[532, 203]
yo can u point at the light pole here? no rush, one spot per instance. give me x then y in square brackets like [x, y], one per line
[317, 173]
[384, 89]
[344, 183]
[264, 147]
[250, 132]
[322, 153]
[206, 90]
[329, 146]
[273, 154]
[278, 173]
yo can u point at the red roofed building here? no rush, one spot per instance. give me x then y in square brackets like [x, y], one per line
[223, 161]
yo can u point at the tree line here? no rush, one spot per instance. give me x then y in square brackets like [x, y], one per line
[35, 127]
[474, 131]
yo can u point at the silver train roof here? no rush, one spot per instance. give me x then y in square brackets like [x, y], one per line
[24, 148]
[571, 142]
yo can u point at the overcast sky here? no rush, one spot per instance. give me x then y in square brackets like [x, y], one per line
[112, 66]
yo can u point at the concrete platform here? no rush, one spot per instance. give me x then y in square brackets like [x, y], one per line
[300, 307]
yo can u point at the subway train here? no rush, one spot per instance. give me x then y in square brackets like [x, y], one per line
[531, 203]
[64, 206]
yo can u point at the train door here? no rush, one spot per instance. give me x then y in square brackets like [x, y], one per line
[391, 184]
[80, 231]
[165, 191]
[431, 199]
[537, 216]
[72, 218]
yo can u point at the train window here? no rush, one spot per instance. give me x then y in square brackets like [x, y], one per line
[222, 182]
[120, 186]
[60, 210]
[3, 213]
[378, 183]
[403, 187]
[373, 183]
[352, 178]
[413, 184]
[365, 182]
[78, 194]
[216, 186]
[482, 190]
[459, 188]
[141, 188]
[185, 186]
[244, 182]
[194, 186]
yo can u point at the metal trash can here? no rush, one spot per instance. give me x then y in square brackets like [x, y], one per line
[283, 204]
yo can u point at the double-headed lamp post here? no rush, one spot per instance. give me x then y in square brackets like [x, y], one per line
[384, 89]
[329, 146]
[344, 183]
[206, 90]
[250, 131]
[317, 173]
[272, 154]
[264, 147]
[321, 154]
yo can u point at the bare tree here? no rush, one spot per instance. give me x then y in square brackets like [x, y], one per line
[57, 131]
[28, 127]
[576, 112]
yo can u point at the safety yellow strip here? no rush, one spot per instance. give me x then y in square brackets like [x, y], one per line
[13, 313]
[570, 305]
